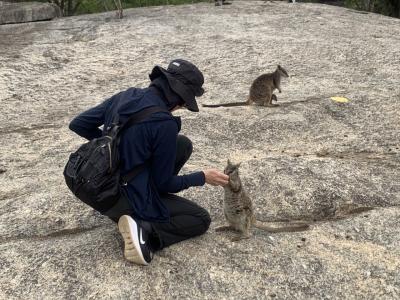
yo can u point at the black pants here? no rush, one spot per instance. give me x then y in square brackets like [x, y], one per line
[187, 219]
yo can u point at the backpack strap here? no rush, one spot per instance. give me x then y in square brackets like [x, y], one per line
[140, 116]
[134, 119]
[132, 174]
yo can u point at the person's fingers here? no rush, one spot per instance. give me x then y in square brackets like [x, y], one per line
[215, 177]
[222, 178]
[225, 177]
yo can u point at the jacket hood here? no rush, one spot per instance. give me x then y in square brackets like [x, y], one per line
[135, 99]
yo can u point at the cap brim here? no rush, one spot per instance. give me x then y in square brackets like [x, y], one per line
[178, 87]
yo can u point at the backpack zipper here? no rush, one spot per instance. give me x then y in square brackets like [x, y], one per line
[109, 150]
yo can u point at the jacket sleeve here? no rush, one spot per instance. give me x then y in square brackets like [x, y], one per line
[87, 123]
[163, 162]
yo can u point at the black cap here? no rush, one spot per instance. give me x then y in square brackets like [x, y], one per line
[184, 78]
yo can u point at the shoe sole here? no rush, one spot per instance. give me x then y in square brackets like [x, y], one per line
[127, 227]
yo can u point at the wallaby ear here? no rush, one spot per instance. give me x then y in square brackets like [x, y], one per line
[279, 67]
[229, 162]
[238, 165]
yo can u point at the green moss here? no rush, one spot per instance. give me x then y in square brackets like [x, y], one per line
[93, 6]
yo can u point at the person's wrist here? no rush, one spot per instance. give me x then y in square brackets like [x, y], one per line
[204, 177]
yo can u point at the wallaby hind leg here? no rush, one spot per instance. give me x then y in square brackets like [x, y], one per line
[239, 238]
[224, 228]
[244, 228]
[268, 101]
[270, 104]
[242, 236]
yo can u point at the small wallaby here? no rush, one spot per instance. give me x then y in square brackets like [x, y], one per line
[239, 213]
[261, 90]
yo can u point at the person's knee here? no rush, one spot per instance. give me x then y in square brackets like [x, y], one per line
[206, 220]
[186, 144]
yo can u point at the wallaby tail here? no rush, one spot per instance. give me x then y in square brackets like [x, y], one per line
[282, 227]
[226, 104]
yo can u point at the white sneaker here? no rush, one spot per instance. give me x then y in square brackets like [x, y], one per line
[137, 248]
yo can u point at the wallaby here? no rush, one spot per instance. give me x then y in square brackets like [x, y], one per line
[238, 209]
[261, 90]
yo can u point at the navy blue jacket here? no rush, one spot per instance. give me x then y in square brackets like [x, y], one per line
[153, 140]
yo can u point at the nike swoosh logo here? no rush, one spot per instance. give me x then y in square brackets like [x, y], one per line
[141, 237]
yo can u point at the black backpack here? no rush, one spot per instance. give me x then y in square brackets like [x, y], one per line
[92, 172]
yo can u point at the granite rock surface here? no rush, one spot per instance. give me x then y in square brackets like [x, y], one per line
[333, 164]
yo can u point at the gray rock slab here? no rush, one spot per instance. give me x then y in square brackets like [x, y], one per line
[23, 12]
[306, 159]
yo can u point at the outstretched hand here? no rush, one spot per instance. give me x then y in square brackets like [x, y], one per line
[215, 177]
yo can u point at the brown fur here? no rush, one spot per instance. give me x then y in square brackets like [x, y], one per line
[261, 90]
[239, 213]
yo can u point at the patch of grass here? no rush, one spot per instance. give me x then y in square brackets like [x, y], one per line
[95, 6]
